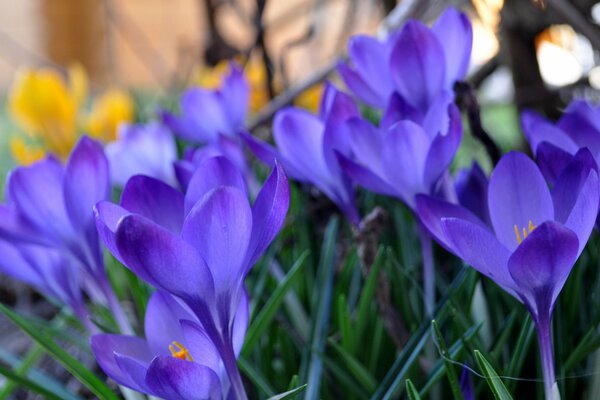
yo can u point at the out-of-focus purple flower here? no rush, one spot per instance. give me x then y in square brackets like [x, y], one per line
[307, 145]
[535, 235]
[472, 190]
[207, 114]
[198, 247]
[555, 144]
[403, 158]
[142, 149]
[466, 384]
[417, 62]
[177, 359]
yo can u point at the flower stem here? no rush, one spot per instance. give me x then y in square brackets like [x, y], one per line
[238, 391]
[543, 328]
[428, 270]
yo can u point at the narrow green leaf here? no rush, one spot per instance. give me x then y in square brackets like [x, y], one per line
[26, 364]
[498, 389]
[266, 314]
[446, 357]
[411, 390]
[290, 394]
[79, 371]
[255, 376]
[28, 383]
[360, 373]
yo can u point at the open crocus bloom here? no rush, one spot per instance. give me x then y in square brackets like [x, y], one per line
[417, 62]
[555, 144]
[307, 143]
[142, 150]
[403, 158]
[177, 359]
[198, 247]
[535, 237]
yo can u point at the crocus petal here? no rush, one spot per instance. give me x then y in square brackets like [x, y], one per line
[86, 182]
[14, 263]
[366, 178]
[154, 200]
[443, 148]
[398, 109]
[432, 211]
[360, 88]
[104, 347]
[212, 173]
[37, 193]
[472, 191]
[417, 65]
[517, 194]
[14, 227]
[580, 122]
[366, 142]
[576, 196]
[552, 160]
[299, 138]
[262, 150]
[202, 109]
[162, 322]
[336, 106]
[235, 93]
[479, 248]
[370, 58]
[240, 323]
[200, 345]
[538, 129]
[176, 379]
[268, 213]
[541, 264]
[107, 217]
[135, 371]
[220, 228]
[404, 152]
[163, 259]
[437, 117]
[453, 28]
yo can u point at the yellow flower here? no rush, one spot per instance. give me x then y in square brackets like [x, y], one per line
[111, 108]
[310, 98]
[46, 109]
[23, 153]
[210, 77]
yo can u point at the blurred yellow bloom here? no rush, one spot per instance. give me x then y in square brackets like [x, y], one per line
[46, 109]
[23, 153]
[110, 109]
[210, 77]
[310, 98]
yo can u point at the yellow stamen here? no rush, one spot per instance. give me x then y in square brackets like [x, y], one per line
[179, 351]
[526, 231]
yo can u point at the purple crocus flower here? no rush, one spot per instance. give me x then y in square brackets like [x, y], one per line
[555, 144]
[471, 187]
[147, 149]
[198, 247]
[52, 205]
[417, 62]
[207, 114]
[402, 158]
[307, 145]
[535, 237]
[177, 359]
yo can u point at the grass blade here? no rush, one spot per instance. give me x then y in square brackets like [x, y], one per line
[500, 391]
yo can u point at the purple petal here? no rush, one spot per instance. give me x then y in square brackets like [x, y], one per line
[179, 125]
[552, 160]
[37, 193]
[162, 322]
[220, 227]
[417, 62]
[202, 111]
[107, 217]
[163, 259]
[538, 129]
[211, 174]
[104, 347]
[299, 138]
[541, 264]
[262, 150]
[336, 106]
[154, 200]
[576, 195]
[517, 194]
[432, 211]
[366, 142]
[580, 122]
[176, 379]
[371, 60]
[479, 248]
[443, 148]
[240, 323]
[268, 213]
[14, 227]
[360, 88]
[200, 345]
[86, 182]
[453, 28]
[235, 94]
[404, 153]
[366, 177]
[437, 118]
[398, 109]
[472, 191]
